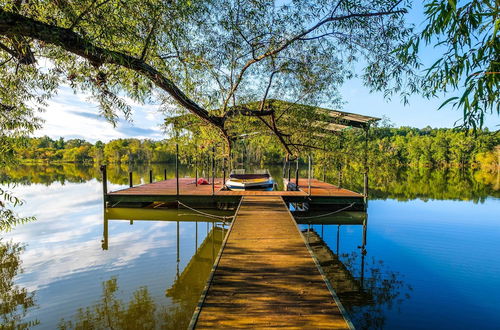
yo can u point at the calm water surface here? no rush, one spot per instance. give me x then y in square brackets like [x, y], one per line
[432, 244]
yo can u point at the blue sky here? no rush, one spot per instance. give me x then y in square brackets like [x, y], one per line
[73, 116]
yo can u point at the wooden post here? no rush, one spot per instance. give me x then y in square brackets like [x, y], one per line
[224, 174]
[104, 184]
[150, 176]
[130, 182]
[196, 174]
[224, 168]
[165, 174]
[177, 168]
[309, 169]
[284, 167]
[213, 170]
[297, 172]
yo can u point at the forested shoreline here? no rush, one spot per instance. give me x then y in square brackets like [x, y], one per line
[396, 146]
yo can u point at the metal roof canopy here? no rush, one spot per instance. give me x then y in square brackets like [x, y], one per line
[336, 120]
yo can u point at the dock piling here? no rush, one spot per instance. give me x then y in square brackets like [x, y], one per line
[177, 167]
[196, 175]
[165, 174]
[130, 182]
[104, 183]
[309, 168]
[150, 176]
[297, 172]
[213, 170]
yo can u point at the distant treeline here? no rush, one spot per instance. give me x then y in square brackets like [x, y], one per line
[396, 146]
[403, 183]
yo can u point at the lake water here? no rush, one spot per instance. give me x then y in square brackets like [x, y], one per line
[431, 255]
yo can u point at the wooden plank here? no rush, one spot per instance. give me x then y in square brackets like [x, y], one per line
[266, 276]
[187, 186]
[320, 188]
[259, 193]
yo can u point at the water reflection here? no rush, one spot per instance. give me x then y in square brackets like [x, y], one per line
[184, 291]
[385, 182]
[367, 288]
[15, 301]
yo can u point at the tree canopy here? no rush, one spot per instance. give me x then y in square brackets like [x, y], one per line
[467, 34]
[209, 57]
[213, 58]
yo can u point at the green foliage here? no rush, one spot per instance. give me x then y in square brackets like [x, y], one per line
[467, 32]
[8, 218]
[14, 301]
[205, 57]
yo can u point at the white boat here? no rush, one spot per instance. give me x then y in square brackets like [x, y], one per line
[259, 180]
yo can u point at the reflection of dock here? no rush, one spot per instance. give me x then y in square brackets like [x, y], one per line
[189, 284]
[348, 288]
[313, 192]
[265, 275]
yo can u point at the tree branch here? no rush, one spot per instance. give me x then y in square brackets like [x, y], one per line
[290, 41]
[12, 25]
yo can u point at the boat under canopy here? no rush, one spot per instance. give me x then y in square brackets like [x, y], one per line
[258, 180]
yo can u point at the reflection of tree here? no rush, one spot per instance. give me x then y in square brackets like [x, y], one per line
[424, 183]
[386, 289]
[141, 312]
[14, 301]
[389, 182]
[112, 313]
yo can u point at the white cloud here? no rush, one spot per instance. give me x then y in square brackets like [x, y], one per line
[73, 115]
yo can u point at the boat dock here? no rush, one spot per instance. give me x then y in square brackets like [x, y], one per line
[315, 193]
[265, 275]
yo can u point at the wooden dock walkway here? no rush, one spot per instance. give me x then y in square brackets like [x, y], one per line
[266, 276]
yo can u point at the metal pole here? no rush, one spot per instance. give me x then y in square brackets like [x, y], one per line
[213, 170]
[224, 170]
[309, 168]
[177, 168]
[104, 184]
[297, 172]
[365, 175]
[196, 174]
[196, 244]
[150, 176]
[130, 182]
[339, 167]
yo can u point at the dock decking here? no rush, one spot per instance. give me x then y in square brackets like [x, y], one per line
[265, 276]
[320, 195]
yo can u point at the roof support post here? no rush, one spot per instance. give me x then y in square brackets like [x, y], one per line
[104, 184]
[365, 164]
[339, 159]
[177, 168]
[297, 172]
[309, 172]
[213, 170]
